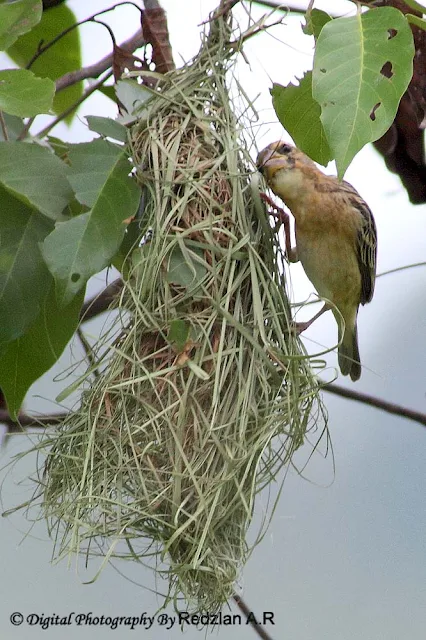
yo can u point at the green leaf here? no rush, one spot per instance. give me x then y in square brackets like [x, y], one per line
[17, 18]
[35, 176]
[186, 268]
[300, 116]
[416, 21]
[28, 357]
[352, 61]
[91, 164]
[62, 57]
[24, 95]
[107, 128]
[179, 333]
[59, 147]
[315, 20]
[14, 127]
[81, 247]
[132, 96]
[109, 92]
[130, 242]
[24, 276]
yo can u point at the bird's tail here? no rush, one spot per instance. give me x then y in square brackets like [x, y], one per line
[349, 360]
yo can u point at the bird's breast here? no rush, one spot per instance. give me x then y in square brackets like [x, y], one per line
[331, 265]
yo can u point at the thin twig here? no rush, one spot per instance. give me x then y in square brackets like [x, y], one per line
[94, 87]
[95, 70]
[26, 421]
[101, 302]
[279, 6]
[372, 401]
[248, 614]
[26, 129]
[42, 48]
[90, 356]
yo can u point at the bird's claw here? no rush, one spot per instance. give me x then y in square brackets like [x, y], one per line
[277, 212]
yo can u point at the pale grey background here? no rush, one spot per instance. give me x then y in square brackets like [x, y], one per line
[343, 559]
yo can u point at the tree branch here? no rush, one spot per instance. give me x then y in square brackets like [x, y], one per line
[25, 421]
[101, 302]
[94, 87]
[95, 70]
[372, 401]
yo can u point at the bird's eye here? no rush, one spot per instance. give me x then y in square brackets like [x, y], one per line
[284, 149]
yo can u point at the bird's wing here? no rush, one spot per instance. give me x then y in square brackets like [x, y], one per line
[366, 243]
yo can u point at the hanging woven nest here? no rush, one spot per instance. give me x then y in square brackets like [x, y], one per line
[204, 394]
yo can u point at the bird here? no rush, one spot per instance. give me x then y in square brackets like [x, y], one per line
[336, 240]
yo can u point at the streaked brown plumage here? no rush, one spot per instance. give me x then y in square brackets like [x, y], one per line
[336, 239]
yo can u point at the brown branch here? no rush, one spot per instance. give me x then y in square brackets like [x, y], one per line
[94, 87]
[95, 70]
[25, 421]
[247, 612]
[372, 401]
[101, 302]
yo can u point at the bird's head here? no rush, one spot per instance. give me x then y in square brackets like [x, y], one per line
[284, 169]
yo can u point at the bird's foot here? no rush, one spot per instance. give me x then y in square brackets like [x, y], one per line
[277, 212]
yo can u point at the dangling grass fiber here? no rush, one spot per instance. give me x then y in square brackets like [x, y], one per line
[204, 394]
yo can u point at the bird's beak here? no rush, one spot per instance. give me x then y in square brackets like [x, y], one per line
[268, 162]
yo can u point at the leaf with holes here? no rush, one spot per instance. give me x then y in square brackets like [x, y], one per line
[362, 67]
[81, 247]
[23, 273]
[16, 18]
[300, 116]
[27, 358]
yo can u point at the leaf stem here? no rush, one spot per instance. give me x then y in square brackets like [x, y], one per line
[415, 6]
[416, 21]
[63, 33]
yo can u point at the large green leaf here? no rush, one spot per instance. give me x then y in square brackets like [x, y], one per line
[81, 247]
[62, 57]
[91, 165]
[353, 60]
[24, 95]
[300, 115]
[36, 176]
[16, 18]
[24, 276]
[27, 358]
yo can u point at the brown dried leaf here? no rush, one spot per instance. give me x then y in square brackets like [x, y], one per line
[156, 33]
